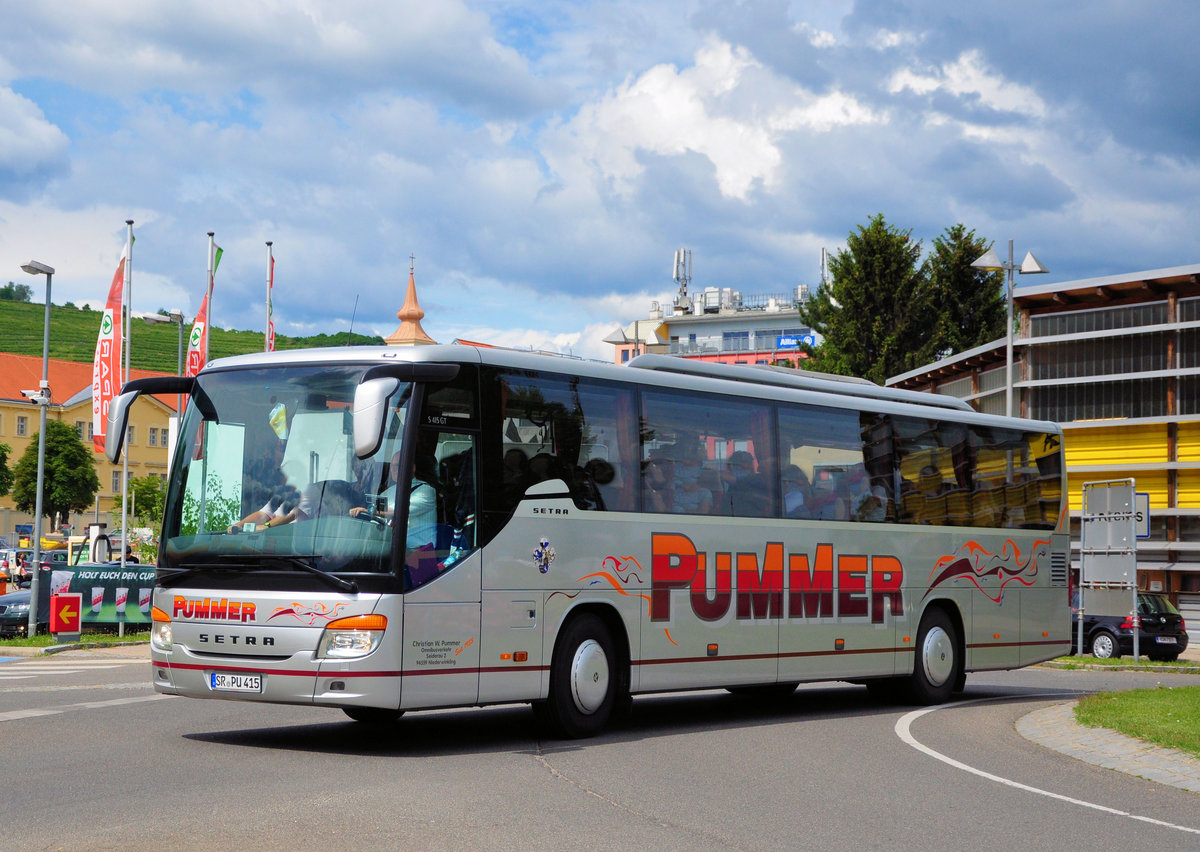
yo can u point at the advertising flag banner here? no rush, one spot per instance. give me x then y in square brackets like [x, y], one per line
[106, 365]
[197, 342]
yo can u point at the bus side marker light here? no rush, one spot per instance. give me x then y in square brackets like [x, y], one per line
[515, 656]
[712, 649]
[1045, 634]
[906, 639]
[995, 635]
[839, 644]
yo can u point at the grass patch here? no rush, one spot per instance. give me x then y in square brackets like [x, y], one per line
[1078, 662]
[45, 640]
[1163, 716]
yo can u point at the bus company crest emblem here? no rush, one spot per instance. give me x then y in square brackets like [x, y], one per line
[543, 555]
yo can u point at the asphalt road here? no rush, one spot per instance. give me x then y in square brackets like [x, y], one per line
[93, 759]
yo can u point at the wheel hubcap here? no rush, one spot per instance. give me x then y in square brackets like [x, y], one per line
[937, 656]
[589, 676]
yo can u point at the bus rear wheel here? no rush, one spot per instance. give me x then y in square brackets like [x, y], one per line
[938, 667]
[583, 680]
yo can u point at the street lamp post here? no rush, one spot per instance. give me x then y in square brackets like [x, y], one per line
[1029, 266]
[42, 398]
[175, 315]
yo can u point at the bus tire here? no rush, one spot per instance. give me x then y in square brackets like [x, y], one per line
[938, 661]
[373, 715]
[583, 680]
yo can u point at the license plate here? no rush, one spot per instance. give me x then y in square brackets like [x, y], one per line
[230, 682]
[1166, 640]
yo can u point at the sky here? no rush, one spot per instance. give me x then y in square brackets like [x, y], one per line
[540, 163]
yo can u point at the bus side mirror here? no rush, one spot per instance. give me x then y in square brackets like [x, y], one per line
[370, 413]
[118, 409]
[118, 417]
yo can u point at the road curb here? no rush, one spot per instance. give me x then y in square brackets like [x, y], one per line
[1055, 728]
[70, 646]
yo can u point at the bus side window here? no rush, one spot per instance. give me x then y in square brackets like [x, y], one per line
[572, 429]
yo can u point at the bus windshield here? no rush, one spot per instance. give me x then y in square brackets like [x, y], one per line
[266, 475]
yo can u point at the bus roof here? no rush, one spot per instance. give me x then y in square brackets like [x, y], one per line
[743, 377]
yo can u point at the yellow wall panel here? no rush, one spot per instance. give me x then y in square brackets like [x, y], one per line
[1189, 489]
[1152, 482]
[1189, 441]
[1116, 445]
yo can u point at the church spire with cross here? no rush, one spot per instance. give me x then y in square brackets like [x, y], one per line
[410, 314]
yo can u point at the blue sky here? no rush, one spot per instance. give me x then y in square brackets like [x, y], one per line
[544, 160]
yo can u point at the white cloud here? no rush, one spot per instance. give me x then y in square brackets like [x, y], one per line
[28, 142]
[725, 107]
[969, 77]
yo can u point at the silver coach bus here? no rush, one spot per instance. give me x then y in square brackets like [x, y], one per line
[382, 530]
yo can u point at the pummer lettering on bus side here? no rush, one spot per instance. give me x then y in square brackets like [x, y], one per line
[859, 585]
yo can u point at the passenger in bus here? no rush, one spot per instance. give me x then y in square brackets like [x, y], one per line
[867, 502]
[746, 492]
[691, 498]
[827, 504]
[657, 479]
[796, 492]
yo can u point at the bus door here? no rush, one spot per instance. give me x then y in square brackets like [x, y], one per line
[442, 565]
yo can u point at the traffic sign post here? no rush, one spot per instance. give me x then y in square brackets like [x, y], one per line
[1108, 544]
[66, 615]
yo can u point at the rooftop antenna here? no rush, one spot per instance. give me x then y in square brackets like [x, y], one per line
[353, 314]
[681, 273]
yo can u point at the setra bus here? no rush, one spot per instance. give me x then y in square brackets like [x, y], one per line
[382, 530]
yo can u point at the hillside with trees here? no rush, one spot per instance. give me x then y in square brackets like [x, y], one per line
[155, 346]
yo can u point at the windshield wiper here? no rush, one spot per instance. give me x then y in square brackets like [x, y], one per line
[297, 561]
[233, 561]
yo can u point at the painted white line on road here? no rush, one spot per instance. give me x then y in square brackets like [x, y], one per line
[904, 732]
[13, 715]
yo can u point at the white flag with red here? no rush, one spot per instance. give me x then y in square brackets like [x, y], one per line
[106, 365]
[197, 341]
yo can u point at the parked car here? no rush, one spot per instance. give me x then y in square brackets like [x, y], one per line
[14, 614]
[10, 564]
[1163, 636]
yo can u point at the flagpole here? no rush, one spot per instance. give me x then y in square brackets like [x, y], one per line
[128, 311]
[211, 249]
[268, 337]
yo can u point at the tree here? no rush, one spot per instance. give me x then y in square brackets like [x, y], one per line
[11, 292]
[6, 475]
[968, 303]
[149, 498]
[873, 313]
[70, 483]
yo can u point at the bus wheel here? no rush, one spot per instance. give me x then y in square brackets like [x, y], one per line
[373, 715]
[583, 679]
[937, 665]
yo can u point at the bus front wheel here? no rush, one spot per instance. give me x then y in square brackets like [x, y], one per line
[583, 679]
[938, 665]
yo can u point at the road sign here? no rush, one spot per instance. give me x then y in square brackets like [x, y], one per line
[66, 612]
[1141, 501]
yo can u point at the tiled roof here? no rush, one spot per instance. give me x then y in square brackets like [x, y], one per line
[67, 378]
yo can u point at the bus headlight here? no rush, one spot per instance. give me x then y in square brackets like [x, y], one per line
[352, 637]
[161, 635]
